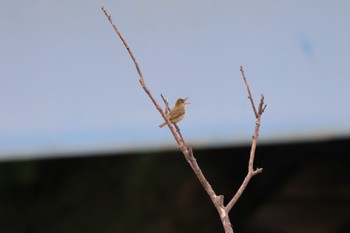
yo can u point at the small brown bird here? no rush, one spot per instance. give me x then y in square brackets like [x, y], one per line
[177, 113]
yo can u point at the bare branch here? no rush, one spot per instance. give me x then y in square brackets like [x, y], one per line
[251, 171]
[218, 200]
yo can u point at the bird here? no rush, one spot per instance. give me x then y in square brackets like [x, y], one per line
[177, 113]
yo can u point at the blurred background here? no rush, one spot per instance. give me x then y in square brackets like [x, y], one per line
[80, 147]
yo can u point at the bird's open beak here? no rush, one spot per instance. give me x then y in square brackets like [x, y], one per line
[185, 101]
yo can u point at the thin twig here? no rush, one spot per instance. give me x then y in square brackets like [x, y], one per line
[179, 132]
[249, 93]
[167, 109]
[125, 44]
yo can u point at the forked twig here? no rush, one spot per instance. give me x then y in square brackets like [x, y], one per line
[251, 171]
[218, 200]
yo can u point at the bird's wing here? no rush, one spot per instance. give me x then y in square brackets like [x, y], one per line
[176, 114]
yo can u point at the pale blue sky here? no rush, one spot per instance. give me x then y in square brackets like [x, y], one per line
[68, 84]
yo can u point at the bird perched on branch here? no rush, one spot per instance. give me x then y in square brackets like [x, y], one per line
[177, 113]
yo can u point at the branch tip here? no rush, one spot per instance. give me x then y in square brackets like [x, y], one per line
[257, 171]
